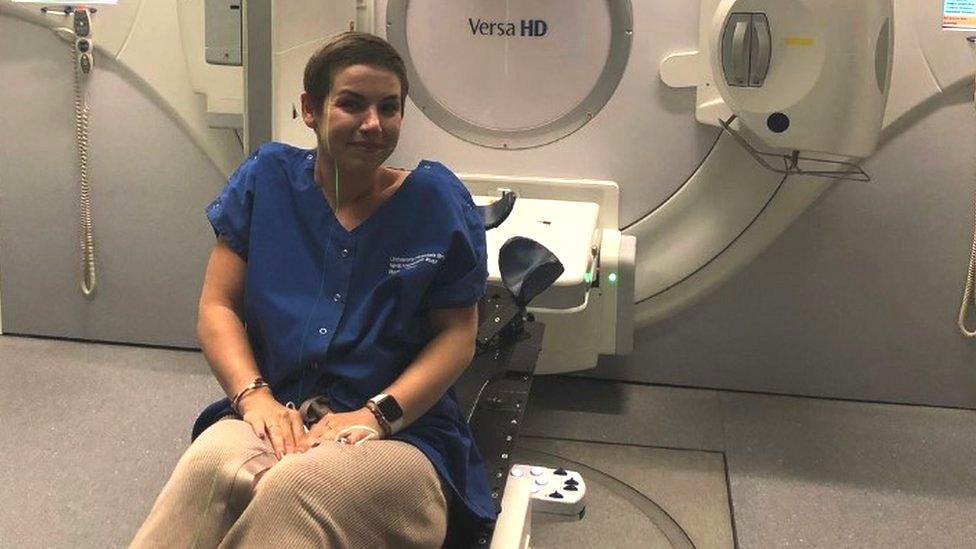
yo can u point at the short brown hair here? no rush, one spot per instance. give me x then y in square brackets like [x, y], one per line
[347, 49]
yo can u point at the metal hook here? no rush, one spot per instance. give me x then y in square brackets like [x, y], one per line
[67, 10]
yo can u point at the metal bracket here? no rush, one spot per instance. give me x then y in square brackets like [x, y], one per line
[795, 164]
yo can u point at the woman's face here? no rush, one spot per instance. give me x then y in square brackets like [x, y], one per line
[358, 124]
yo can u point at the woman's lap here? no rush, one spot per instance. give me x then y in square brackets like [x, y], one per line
[383, 492]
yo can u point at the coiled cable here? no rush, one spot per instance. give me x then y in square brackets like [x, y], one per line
[88, 278]
[967, 295]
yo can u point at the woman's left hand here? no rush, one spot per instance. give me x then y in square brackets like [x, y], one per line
[328, 429]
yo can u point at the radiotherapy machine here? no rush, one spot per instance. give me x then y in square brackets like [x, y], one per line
[560, 117]
[653, 173]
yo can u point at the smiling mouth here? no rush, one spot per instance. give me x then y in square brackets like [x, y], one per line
[368, 146]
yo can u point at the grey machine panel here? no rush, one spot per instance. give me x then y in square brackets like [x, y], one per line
[746, 49]
[223, 32]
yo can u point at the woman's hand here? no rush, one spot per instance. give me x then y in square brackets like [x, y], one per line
[328, 428]
[271, 421]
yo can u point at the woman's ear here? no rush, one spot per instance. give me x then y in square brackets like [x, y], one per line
[308, 111]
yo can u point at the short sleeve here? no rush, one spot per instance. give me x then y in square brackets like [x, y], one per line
[463, 274]
[230, 212]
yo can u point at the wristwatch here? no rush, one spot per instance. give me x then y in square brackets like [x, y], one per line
[387, 411]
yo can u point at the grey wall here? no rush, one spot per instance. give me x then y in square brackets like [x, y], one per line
[150, 186]
[858, 299]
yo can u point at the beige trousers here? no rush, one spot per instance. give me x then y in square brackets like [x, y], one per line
[228, 490]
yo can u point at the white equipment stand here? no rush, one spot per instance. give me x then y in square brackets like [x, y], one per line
[577, 220]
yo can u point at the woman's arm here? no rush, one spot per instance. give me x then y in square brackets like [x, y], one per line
[219, 326]
[227, 350]
[439, 364]
[426, 379]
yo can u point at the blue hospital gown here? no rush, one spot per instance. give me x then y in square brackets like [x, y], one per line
[343, 313]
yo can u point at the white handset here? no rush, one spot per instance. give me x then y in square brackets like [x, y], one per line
[84, 47]
[84, 54]
[83, 58]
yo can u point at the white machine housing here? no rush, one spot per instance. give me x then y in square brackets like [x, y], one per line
[806, 75]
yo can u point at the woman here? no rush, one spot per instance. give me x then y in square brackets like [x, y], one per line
[337, 279]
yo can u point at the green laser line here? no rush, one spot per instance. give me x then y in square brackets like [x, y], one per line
[335, 163]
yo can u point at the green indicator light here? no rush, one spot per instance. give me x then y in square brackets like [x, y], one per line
[612, 278]
[587, 277]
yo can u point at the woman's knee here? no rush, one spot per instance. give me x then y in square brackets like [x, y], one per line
[328, 477]
[221, 444]
[295, 475]
[342, 475]
[345, 496]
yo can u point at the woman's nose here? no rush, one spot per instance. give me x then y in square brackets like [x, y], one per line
[371, 122]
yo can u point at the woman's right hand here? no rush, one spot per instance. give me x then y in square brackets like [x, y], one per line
[272, 421]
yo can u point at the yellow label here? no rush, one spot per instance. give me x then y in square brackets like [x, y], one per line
[798, 41]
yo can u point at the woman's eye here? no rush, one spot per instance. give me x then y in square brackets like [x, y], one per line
[349, 104]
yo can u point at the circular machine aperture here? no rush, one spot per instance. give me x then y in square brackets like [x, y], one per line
[511, 75]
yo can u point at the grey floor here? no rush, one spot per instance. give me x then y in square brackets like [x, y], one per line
[90, 432]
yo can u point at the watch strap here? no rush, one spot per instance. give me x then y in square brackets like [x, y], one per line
[384, 424]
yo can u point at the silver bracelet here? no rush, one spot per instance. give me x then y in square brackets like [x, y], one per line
[256, 384]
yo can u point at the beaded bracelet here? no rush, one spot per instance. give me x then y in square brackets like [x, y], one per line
[256, 384]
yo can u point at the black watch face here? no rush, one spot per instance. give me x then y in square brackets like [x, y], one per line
[390, 409]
